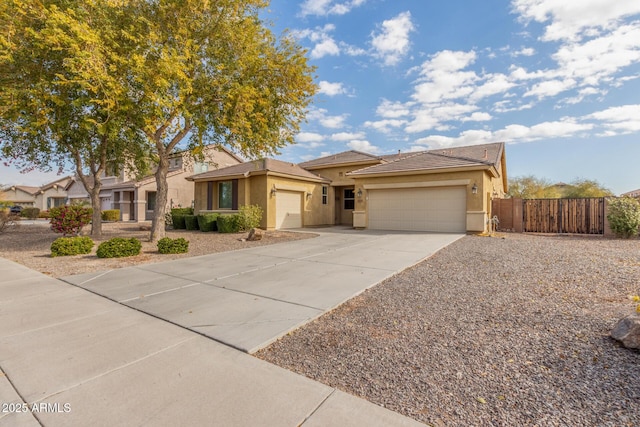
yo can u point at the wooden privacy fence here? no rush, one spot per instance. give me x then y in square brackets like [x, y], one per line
[575, 216]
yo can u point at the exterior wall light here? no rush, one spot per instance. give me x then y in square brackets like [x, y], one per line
[273, 190]
[309, 195]
[474, 189]
[359, 193]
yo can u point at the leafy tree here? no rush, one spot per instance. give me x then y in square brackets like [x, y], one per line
[63, 89]
[531, 187]
[212, 72]
[586, 188]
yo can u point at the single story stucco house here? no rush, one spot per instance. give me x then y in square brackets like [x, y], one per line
[444, 190]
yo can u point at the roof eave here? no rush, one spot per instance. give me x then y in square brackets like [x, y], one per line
[422, 171]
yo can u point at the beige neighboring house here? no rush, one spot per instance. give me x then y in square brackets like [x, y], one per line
[446, 190]
[136, 198]
[633, 193]
[44, 198]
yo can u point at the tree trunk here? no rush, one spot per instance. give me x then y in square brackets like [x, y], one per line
[158, 222]
[96, 217]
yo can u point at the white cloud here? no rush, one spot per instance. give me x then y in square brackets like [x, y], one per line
[305, 137]
[572, 20]
[324, 44]
[392, 43]
[477, 117]
[526, 51]
[514, 133]
[332, 122]
[346, 136]
[619, 120]
[328, 7]
[385, 126]
[550, 88]
[325, 47]
[363, 145]
[392, 110]
[442, 77]
[331, 89]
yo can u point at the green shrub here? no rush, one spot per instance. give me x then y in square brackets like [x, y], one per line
[43, 214]
[250, 217]
[64, 246]
[119, 247]
[208, 222]
[110, 215]
[177, 217]
[30, 213]
[191, 222]
[167, 245]
[69, 219]
[624, 216]
[182, 211]
[178, 222]
[229, 223]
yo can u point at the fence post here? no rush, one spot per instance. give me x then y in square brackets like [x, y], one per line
[517, 215]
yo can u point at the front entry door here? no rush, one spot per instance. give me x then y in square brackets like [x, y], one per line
[345, 205]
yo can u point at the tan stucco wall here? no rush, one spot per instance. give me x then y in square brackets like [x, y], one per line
[314, 212]
[57, 192]
[19, 197]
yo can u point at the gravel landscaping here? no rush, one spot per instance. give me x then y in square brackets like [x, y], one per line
[507, 330]
[30, 245]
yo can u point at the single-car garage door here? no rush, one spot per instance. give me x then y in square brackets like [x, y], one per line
[419, 209]
[288, 209]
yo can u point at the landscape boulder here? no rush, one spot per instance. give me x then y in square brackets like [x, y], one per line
[627, 331]
[254, 234]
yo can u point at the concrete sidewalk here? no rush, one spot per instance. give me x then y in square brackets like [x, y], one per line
[249, 298]
[69, 357]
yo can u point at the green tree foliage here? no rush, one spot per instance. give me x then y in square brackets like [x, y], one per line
[624, 216]
[531, 187]
[63, 88]
[586, 188]
[212, 71]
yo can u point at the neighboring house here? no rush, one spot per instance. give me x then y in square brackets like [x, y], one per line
[634, 193]
[136, 198]
[446, 190]
[44, 198]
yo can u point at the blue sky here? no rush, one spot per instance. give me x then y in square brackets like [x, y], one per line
[557, 80]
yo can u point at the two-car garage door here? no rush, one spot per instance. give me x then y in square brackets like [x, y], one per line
[442, 209]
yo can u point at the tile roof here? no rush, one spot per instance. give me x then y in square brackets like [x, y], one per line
[469, 156]
[262, 165]
[27, 189]
[351, 156]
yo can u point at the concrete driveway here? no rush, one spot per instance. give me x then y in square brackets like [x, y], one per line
[249, 298]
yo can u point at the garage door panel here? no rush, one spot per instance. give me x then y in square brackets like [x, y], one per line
[288, 209]
[418, 209]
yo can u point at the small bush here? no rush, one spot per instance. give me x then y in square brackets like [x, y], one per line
[191, 222]
[229, 223]
[250, 217]
[64, 246]
[178, 222]
[182, 211]
[43, 214]
[69, 219]
[110, 215]
[166, 245]
[208, 222]
[7, 219]
[624, 216]
[30, 213]
[177, 217]
[119, 247]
